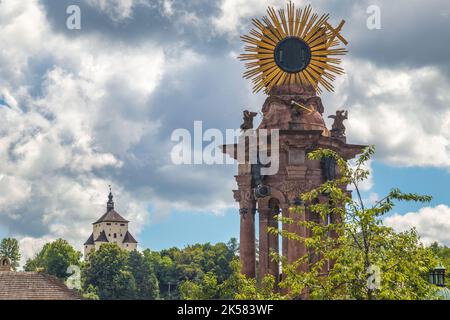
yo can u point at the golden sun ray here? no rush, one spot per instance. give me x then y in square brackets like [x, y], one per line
[293, 46]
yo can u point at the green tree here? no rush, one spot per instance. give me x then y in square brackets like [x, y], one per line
[9, 248]
[164, 269]
[347, 242]
[175, 266]
[147, 287]
[207, 289]
[236, 286]
[54, 259]
[90, 293]
[107, 273]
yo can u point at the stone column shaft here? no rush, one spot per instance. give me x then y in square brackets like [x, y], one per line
[263, 242]
[267, 243]
[273, 246]
[247, 248]
[296, 249]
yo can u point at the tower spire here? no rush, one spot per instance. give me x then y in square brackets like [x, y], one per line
[110, 203]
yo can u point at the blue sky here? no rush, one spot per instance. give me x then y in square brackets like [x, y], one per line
[427, 181]
[183, 228]
[85, 109]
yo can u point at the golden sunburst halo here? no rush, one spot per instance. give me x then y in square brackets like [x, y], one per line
[294, 48]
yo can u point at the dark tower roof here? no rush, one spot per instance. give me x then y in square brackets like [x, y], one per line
[90, 240]
[102, 237]
[111, 215]
[110, 203]
[129, 238]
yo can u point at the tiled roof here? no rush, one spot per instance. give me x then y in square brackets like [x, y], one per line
[129, 238]
[33, 286]
[102, 237]
[111, 216]
[90, 240]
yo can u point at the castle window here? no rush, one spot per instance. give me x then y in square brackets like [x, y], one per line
[108, 224]
[122, 224]
[115, 235]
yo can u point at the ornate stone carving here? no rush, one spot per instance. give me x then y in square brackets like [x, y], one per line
[283, 112]
[293, 189]
[247, 195]
[248, 120]
[338, 128]
[237, 195]
[276, 114]
[243, 211]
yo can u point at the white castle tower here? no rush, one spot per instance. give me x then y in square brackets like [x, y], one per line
[112, 228]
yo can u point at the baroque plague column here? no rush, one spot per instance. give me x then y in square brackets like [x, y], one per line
[300, 132]
[290, 56]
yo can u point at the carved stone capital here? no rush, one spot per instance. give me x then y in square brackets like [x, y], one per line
[237, 195]
[293, 189]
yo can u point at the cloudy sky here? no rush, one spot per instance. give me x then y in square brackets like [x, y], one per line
[83, 109]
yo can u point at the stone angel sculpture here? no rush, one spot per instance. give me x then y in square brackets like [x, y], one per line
[338, 128]
[248, 120]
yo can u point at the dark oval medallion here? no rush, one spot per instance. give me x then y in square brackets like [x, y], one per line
[292, 54]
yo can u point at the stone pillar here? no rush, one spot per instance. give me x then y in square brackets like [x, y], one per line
[247, 249]
[296, 249]
[274, 268]
[263, 242]
[268, 242]
[247, 210]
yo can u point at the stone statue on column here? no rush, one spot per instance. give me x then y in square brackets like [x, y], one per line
[248, 120]
[338, 128]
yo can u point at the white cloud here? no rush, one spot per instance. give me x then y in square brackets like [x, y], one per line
[234, 11]
[432, 223]
[403, 112]
[117, 10]
[80, 126]
[367, 184]
[168, 7]
[53, 147]
[29, 246]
